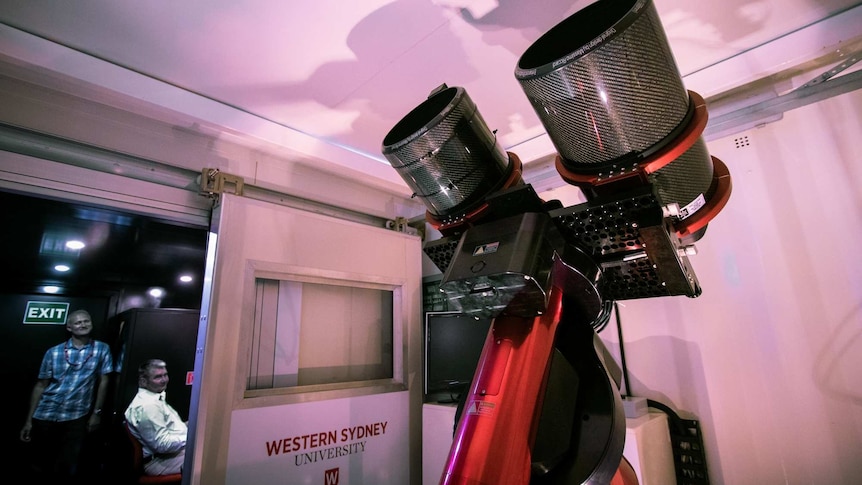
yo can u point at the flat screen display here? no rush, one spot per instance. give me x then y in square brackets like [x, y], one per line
[453, 344]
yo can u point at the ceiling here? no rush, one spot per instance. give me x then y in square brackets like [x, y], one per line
[342, 73]
[125, 254]
[328, 73]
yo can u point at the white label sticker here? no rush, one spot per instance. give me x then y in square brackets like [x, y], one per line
[692, 207]
[481, 408]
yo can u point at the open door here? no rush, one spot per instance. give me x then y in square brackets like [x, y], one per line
[308, 361]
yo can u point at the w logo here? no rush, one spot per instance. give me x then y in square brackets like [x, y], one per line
[330, 477]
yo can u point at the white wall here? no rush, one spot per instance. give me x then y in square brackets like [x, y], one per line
[768, 358]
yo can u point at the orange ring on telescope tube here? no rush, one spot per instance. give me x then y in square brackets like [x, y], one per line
[699, 220]
[651, 164]
[477, 213]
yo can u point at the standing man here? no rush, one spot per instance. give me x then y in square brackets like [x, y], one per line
[156, 424]
[62, 408]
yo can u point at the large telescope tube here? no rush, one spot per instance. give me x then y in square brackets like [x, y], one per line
[605, 85]
[447, 155]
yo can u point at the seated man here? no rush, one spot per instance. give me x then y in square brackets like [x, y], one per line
[155, 423]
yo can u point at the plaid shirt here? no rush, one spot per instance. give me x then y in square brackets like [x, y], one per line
[72, 373]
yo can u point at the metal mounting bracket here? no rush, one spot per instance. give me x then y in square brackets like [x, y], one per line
[401, 224]
[213, 181]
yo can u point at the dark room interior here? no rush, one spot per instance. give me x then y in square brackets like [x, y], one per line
[125, 257]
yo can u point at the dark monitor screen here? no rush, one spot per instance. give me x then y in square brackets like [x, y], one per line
[453, 344]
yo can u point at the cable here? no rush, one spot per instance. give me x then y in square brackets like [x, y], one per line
[604, 316]
[685, 434]
[672, 415]
[625, 368]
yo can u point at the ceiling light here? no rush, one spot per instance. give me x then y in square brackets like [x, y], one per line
[75, 244]
[51, 289]
[156, 292]
[62, 268]
[186, 278]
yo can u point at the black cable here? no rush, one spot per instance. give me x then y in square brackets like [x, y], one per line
[625, 368]
[604, 316]
[671, 414]
[686, 438]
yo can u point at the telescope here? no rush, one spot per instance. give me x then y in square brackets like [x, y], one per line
[543, 407]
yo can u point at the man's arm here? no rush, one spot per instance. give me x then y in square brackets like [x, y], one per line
[101, 392]
[159, 432]
[35, 396]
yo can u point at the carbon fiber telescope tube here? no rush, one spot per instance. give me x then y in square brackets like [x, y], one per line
[447, 155]
[605, 84]
[606, 87]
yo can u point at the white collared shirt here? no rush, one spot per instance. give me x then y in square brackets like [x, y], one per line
[155, 423]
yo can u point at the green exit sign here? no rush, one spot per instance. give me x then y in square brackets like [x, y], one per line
[47, 312]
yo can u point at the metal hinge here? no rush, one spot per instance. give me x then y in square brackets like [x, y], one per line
[213, 182]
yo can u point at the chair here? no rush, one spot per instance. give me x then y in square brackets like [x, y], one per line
[138, 463]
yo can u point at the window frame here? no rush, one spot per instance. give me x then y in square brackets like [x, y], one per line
[256, 270]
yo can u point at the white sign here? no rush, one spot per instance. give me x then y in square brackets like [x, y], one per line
[351, 441]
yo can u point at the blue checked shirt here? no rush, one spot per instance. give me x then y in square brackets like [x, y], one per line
[73, 374]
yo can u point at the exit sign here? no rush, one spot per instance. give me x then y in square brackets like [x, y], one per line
[46, 312]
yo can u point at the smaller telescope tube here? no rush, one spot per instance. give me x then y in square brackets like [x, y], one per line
[446, 154]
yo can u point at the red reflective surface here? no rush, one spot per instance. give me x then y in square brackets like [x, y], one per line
[498, 424]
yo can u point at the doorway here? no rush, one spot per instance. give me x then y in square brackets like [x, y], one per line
[130, 260]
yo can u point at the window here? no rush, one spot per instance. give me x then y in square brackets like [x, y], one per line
[321, 333]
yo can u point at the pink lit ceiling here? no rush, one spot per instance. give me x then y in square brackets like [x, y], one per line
[344, 72]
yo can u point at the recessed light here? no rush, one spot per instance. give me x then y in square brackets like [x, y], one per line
[156, 292]
[51, 289]
[75, 244]
[62, 268]
[186, 278]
